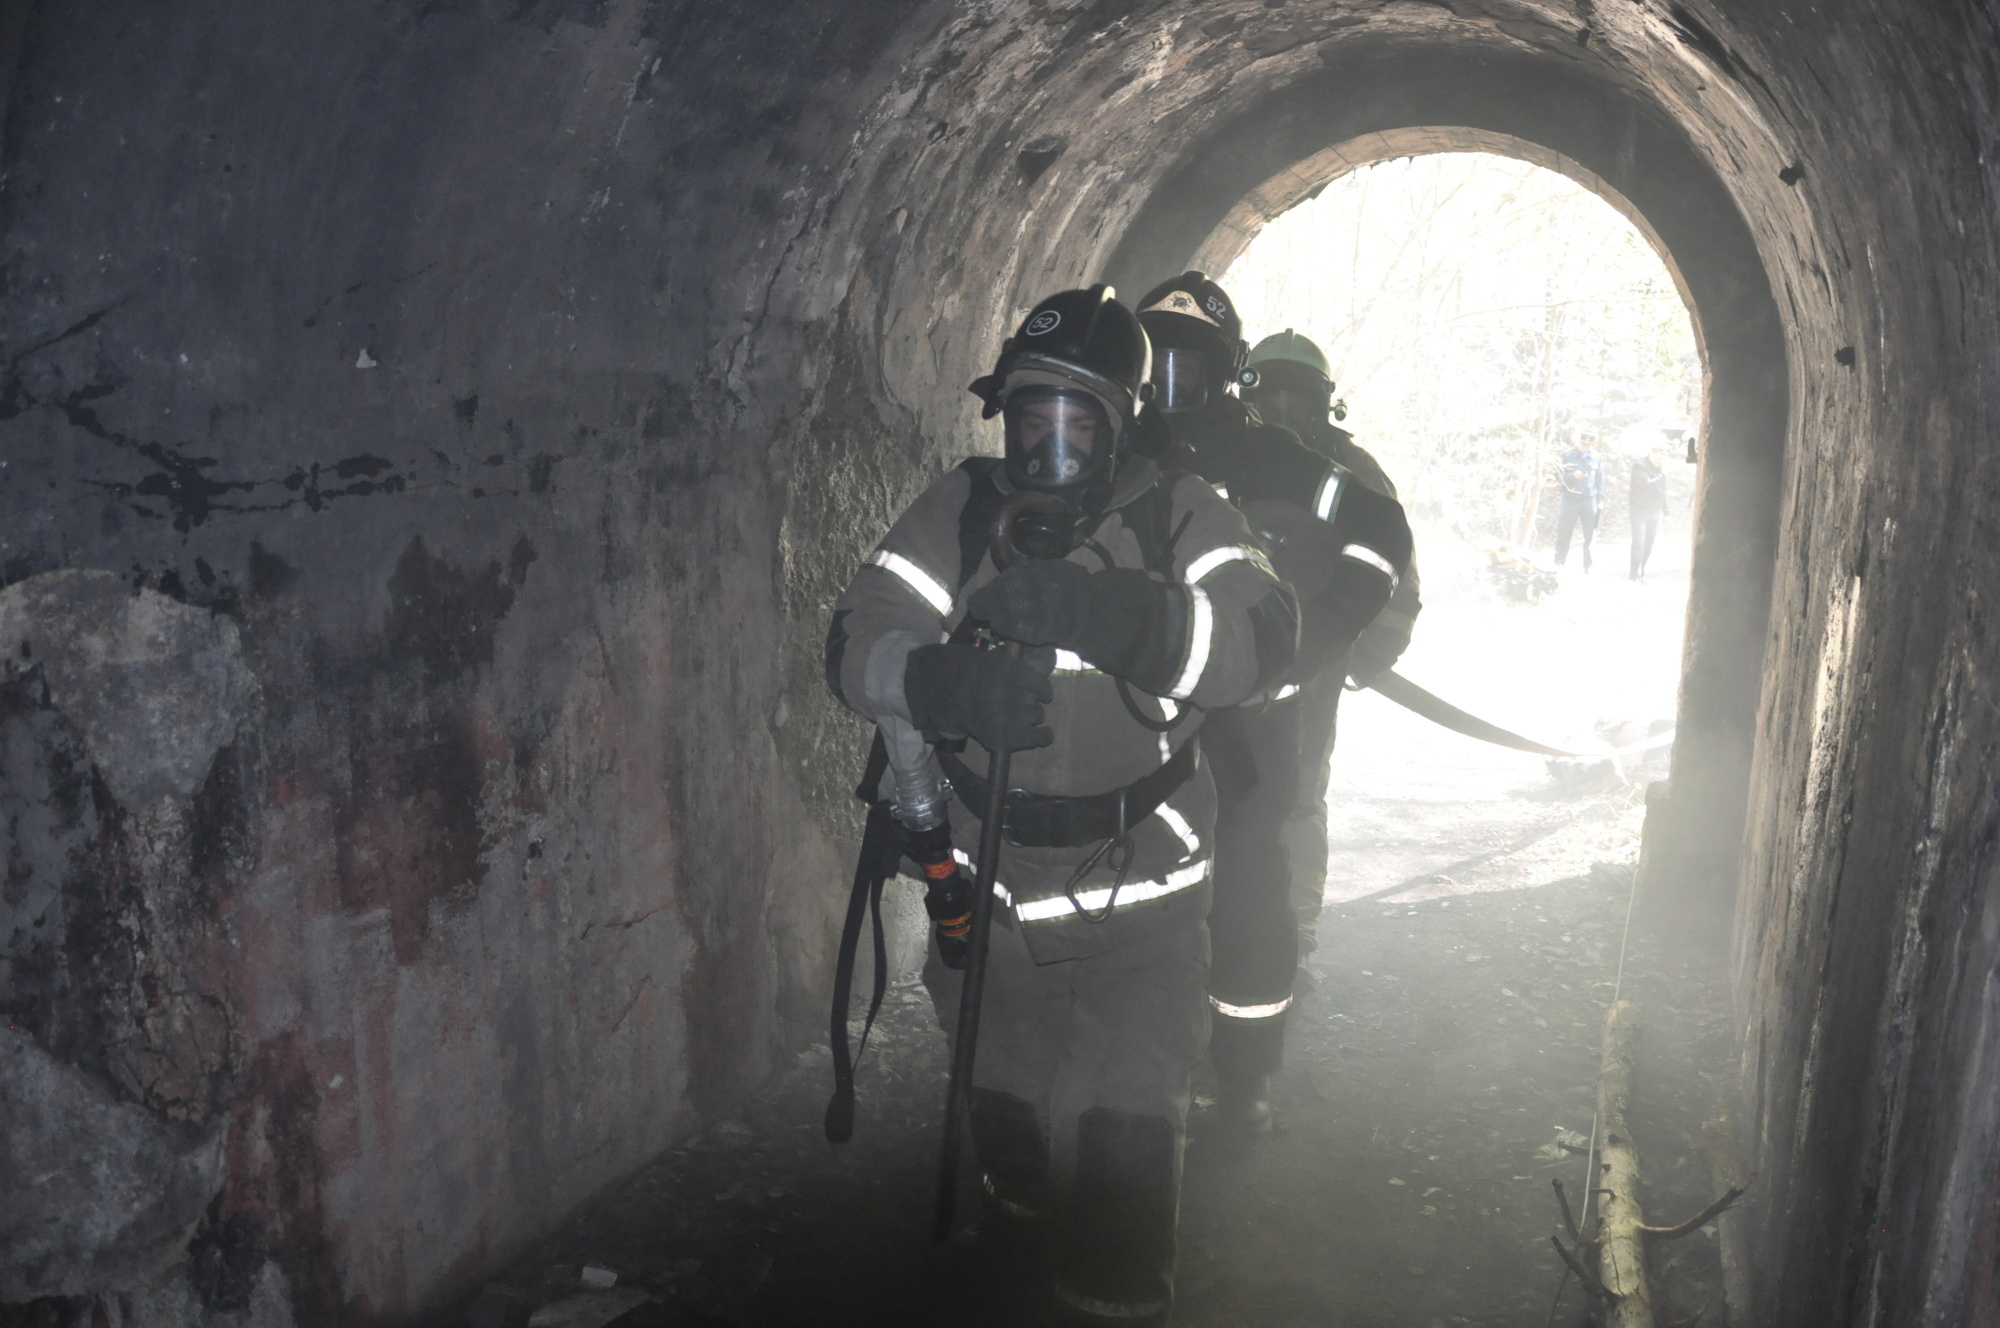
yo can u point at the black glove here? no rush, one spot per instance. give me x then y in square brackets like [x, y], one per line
[1133, 627]
[994, 696]
[1037, 601]
[1378, 648]
[1120, 620]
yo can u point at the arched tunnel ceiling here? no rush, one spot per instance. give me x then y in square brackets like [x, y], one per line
[520, 378]
[1303, 180]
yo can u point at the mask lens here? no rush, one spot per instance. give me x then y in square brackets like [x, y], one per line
[1180, 380]
[1290, 407]
[1055, 438]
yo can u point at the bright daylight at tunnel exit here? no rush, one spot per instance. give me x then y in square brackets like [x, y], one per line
[1483, 316]
[1301, 663]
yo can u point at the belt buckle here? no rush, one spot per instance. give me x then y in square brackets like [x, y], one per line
[1012, 803]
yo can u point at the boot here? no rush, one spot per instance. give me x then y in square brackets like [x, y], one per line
[1246, 1052]
[1243, 1104]
[1115, 1251]
[1014, 1151]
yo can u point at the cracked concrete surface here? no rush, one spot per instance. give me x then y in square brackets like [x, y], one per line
[516, 381]
[156, 686]
[101, 1194]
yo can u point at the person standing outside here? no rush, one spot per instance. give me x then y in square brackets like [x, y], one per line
[1649, 507]
[1145, 602]
[1582, 497]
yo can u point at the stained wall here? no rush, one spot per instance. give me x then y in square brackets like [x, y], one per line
[433, 435]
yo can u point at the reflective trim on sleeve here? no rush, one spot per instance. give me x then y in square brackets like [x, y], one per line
[1328, 495]
[1168, 711]
[1201, 635]
[1131, 893]
[1179, 825]
[1250, 1011]
[1068, 661]
[921, 583]
[1201, 568]
[1361, 553]
[1286, 693]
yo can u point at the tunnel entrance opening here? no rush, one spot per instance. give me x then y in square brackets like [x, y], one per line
[1381, 105]
[1483, 314]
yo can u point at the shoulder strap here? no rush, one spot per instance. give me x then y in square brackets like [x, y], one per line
[975, 519]
[1150, 519]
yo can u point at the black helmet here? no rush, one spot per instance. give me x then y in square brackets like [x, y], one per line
[1070, 381]
[1199, 336]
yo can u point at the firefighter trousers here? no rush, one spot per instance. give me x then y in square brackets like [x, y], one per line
[1254, 923]
[1079, 1109]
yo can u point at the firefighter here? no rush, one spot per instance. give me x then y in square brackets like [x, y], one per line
[1344, 547]
[1294, 389]
[1147, 603]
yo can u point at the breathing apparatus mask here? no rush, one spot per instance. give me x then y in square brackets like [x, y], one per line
[1197, 342]
[1290, 395]
[1181, 379]
[1061, 443]
[1067, 385]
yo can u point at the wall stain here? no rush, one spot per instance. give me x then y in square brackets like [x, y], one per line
[182, 489]
[270, 575]
[442, 617]
[409, 834]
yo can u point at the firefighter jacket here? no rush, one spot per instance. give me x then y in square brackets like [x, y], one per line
[1238, 634]
[1299, 504]
[1385, 639]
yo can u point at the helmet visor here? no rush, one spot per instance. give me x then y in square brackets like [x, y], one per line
[1057, 437]
[1299, 409]
[1180, 379]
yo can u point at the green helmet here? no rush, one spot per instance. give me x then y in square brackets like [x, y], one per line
[1290, 347]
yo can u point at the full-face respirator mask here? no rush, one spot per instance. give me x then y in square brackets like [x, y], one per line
[1066, 387]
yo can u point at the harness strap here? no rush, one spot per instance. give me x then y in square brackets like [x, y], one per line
[1034, 820]
[975, 519]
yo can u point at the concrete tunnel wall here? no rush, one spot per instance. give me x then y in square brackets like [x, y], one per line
[433, 436]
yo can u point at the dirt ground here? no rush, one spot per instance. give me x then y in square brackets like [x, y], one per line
[1451, 1041]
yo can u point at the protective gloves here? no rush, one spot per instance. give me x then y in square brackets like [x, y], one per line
[1380, 646]
[1120, 620]
[1038, 602]
[993, 696]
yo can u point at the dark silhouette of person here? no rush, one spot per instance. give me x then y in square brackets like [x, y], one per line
[1582, 497]
[1649, 507]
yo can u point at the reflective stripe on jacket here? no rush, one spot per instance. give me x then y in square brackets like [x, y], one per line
[907, 594]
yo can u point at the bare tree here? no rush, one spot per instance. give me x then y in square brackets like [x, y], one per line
[1478, 312]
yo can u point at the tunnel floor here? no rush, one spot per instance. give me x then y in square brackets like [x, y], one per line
[1407, 1183]
[1453, 1031]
